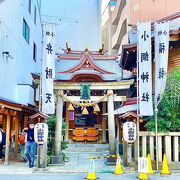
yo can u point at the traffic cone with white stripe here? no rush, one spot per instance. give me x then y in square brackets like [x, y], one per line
[118, 166]
[91, 171]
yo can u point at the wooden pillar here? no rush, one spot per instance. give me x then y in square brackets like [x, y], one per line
[129, 153]
[168, 148]
[25, 121]
[160, 148]
[16, 134]
[58, 129]
[151, 144]
[135, 150]
[7, 139]
[104, 124]
[118, 130]
[175, 149]
[144, 146]
[67, 121]
[125, 152]
[111, 124]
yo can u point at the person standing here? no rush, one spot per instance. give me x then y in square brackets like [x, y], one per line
[2, 142]
[30, 145]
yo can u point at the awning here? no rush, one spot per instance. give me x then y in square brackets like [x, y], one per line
[39, 115]
[124, 109]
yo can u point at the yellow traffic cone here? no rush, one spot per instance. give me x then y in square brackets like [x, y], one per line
[91, 172]
[149, 165]
[142, 176]
[118, 166]
[165, 169]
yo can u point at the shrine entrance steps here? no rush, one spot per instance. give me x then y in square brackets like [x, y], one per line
[81, 147]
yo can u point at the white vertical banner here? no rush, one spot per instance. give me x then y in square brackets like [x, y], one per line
[161, 58]
[145, 69]
[48, 68]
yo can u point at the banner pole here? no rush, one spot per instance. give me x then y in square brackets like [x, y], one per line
[156, 111]
[137, 77]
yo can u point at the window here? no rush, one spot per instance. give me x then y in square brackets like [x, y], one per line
[34, 14]
[34, 52]
[29, 6]
[26, 31]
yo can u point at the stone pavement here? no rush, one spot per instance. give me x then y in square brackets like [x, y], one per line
[79, 158]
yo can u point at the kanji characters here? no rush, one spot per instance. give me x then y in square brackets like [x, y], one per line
[144, 36]
[144, 56]
[49, 48]
[145, 77]
[145, 97]
[161, 73]
[50, 34]
[48, 97]
[161, 48]
[48, 73]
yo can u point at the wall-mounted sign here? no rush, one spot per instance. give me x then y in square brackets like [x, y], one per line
[129, 132]
[41, 133]
[143, 165]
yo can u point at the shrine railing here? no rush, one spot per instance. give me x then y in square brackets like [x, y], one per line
[168, 143]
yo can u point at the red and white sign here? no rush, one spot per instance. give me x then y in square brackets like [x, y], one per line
[41, 133]
[143, 165]
[129, 132]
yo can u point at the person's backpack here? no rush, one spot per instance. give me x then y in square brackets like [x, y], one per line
[22, 139]
[3, 138]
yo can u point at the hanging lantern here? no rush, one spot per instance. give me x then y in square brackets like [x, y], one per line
[70, 108]
[85, 111]
[96, 108]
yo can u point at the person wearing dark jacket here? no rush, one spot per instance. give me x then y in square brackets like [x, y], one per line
[30, 146]
[2, 142]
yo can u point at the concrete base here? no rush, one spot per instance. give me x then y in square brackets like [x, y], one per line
[110, 161]
[57, 160]
[6, 163]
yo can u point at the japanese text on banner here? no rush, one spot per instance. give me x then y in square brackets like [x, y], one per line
[48, 68]
[161, 57]
[145, 69]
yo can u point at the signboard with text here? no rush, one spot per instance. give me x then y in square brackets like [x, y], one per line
[41, 133]
[129, 132]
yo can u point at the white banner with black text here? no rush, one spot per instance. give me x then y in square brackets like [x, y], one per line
[161, 58]
[48, 68]
[145, 69]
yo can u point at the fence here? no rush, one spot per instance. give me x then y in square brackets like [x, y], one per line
[168, 143]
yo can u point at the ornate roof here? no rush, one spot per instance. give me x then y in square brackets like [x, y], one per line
[72, 64]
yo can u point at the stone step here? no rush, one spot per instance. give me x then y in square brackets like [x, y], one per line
[87, 147]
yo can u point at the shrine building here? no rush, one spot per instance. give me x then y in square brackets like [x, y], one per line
[88, 87]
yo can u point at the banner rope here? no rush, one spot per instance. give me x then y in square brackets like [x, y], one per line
[84, 104]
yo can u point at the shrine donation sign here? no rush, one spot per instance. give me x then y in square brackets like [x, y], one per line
[129, 132]
[41, 133]
[145, 69]
[161, 58]
[143, 165]
[48, 68]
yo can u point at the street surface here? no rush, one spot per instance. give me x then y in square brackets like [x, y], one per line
[74, 176]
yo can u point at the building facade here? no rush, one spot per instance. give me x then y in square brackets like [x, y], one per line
[20, 55]
[127, 12]
[78, 22]
[20, 49]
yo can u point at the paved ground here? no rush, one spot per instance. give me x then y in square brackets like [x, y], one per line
[76, 176]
